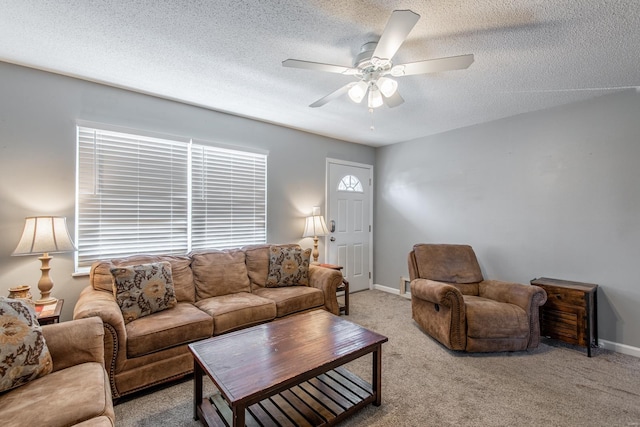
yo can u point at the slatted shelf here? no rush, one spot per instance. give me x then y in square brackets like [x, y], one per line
[321, 401]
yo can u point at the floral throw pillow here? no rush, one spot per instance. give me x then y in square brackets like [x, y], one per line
[288, 266]
[143, 289]
[24, 355]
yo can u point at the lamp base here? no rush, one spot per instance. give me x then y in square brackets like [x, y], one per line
[315, 252]
[45, 284]
[46, 301]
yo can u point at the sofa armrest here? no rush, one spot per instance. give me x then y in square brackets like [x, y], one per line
[437, 293]
[75, 342]
[102, 304]
[327, 280]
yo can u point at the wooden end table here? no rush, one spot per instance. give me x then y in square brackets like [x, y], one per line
[289, 369]
[50, 313]
[343, 287]
[570, 313]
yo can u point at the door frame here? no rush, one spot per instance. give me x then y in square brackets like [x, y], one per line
[330, 161]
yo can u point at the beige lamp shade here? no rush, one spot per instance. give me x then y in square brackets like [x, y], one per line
[43, 235]
[315, 226]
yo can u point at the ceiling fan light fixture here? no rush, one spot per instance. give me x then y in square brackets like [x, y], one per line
[387, 86]
[358, 91]
[375, 61]
[375, 97]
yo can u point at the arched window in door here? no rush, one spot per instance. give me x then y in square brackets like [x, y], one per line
[350, 183]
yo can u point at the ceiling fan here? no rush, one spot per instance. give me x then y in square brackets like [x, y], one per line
[374, 63]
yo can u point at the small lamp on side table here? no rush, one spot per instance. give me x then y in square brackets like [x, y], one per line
[43, 235]
[315, 227]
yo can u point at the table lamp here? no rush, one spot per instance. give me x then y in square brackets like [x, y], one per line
[43, 235]
[315, 227]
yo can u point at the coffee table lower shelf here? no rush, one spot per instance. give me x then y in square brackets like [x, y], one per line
[321, 401]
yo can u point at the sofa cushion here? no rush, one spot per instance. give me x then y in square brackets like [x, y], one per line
[180, 325]
[237, 311]
[257, 261]
[492, 319]
[182, 277]
[141, 290]
[288, 266]
[24, 355]
[292, 299]
[217, 273]
[62, 398]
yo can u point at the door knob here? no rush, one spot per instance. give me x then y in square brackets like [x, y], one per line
[333, 239]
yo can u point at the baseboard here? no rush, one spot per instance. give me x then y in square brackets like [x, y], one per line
[391, 290]
[608, 345]
[619, 348]
[386, 289]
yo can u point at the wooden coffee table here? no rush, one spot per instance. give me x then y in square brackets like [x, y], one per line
[286, 372]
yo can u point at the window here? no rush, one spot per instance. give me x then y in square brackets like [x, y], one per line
[350, 183]
[229, 202]
[139, 194]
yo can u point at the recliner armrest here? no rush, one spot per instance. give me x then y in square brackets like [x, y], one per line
[528, 297]
[437, 292]
[524, 296]
[75, 342]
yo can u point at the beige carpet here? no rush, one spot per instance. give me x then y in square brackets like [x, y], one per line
[424, 384]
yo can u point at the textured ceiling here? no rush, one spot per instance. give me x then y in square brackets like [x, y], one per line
[226, 56]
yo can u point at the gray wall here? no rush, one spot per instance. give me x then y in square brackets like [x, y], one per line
[38, 113]
[554, 193]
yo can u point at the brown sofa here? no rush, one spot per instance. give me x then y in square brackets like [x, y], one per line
[76, 393]
[451, 301]
[217, 292]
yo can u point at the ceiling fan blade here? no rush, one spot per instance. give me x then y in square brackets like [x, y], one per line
[393, 100]
[398, 28]
[433, 65]
[333, 95]
[307, 65]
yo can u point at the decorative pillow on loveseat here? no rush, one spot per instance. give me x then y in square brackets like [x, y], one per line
[24, 355]
[288, 266]
[141, 290]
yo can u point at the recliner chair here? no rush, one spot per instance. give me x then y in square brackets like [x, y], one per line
[451, 301]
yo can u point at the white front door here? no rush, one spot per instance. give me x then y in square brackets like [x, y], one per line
[349, 219]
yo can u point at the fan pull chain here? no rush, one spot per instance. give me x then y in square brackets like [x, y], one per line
[373, 128]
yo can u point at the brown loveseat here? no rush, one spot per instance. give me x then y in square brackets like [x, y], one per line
[76, 393]
[217, 292]
[452, 302]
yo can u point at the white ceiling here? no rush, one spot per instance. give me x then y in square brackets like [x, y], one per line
[226, 55]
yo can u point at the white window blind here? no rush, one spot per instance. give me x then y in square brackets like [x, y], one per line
[229, 198]
[133, 196]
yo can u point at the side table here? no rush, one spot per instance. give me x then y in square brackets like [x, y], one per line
[570, 313]
[343, 287]
[49, 313]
